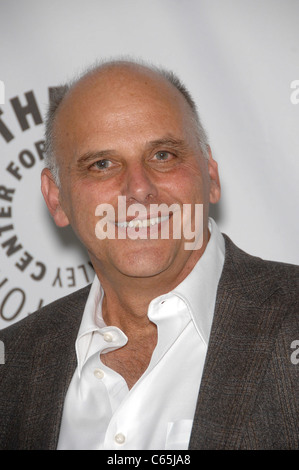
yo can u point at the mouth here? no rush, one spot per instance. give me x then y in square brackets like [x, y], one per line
[143, 223]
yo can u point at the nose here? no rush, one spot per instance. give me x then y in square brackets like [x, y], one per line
[139, 186]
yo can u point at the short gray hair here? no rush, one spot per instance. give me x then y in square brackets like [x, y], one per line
[59, 93]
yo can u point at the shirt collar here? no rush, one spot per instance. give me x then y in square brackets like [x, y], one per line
[199, 288]
[91, 321]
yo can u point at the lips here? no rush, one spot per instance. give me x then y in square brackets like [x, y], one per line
[139, 223]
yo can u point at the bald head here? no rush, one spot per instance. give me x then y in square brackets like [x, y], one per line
[111, 84]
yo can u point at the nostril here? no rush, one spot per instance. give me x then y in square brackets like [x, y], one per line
[139, 187]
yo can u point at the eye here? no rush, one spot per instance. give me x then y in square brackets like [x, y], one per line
[102, 164]
[163, 156]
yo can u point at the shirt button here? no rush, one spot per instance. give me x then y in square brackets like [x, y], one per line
[98, 373]
[108, 337]
[119, 438]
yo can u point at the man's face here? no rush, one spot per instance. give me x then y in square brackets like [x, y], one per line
[129, 133]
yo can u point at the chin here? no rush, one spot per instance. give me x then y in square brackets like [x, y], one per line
[144, 263]
[142, 269]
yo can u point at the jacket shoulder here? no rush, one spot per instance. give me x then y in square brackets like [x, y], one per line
[51, 318]
[249, 274]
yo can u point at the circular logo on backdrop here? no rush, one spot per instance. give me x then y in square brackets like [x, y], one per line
[39, 262]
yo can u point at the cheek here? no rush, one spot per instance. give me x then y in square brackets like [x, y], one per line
[85, 198]
[188, 186]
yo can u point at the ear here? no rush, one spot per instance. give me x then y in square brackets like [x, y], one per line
[51, 195]
[215, 188]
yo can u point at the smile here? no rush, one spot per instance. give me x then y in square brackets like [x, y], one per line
[143, 223]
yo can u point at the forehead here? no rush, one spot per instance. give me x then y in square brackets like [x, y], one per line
[118, 100]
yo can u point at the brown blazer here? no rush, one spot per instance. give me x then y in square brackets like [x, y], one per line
[248, 397]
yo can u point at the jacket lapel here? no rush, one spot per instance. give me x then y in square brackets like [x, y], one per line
[241, 342]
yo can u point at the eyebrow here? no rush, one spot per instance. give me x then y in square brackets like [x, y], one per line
[174, 144]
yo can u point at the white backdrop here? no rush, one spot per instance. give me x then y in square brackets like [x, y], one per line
[240, 60]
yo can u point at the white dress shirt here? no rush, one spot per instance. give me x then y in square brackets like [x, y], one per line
[100, 412]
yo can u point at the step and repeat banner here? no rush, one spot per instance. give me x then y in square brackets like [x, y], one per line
[239, 59]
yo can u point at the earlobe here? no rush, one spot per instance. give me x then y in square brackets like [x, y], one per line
[215, 188]
[50, 192]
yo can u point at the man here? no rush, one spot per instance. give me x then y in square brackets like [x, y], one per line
[171, 347]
